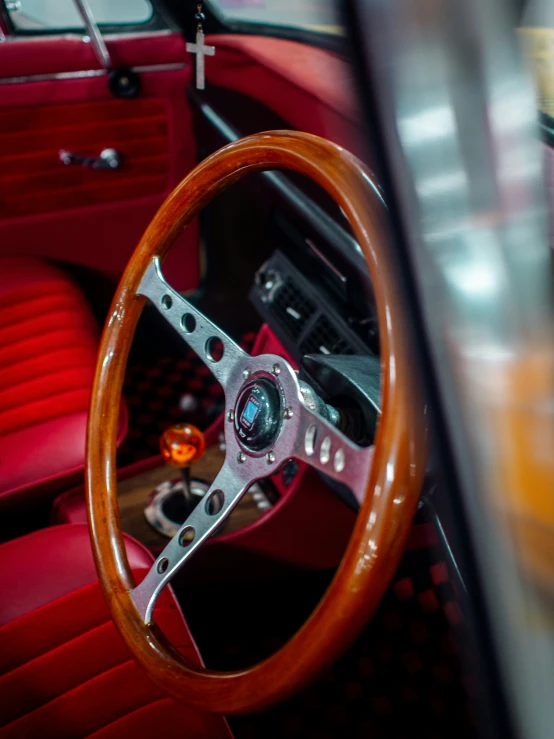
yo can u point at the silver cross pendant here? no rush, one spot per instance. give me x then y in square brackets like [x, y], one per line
[201, 50]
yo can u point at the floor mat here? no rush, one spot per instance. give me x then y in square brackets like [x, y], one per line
[403, 674]
[164, 390]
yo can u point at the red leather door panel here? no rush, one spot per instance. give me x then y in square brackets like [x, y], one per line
[75, 214]
[32, 180]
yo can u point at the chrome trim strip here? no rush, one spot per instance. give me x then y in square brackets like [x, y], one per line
[84, 73]
[14, 38]
[141, 34]
[160, 67]
[50, 77]
[325, 261]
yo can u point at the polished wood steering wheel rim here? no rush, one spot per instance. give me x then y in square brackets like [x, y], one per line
[394, 481]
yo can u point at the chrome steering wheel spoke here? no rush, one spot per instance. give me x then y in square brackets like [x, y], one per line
[267, 423]
[225, 492]
[328, 450]
[192, 325]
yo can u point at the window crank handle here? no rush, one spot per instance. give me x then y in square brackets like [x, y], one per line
[108, 159]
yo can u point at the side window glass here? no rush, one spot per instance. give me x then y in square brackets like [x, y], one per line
[51, 15]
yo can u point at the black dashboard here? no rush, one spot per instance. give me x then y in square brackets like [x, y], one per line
[306, 276]
[311, 284]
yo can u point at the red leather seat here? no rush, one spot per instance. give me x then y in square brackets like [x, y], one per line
[48, 347]
[64, 670]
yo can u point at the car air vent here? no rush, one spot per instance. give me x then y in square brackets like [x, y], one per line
[324, 338]
[291, 308]
[305, 316]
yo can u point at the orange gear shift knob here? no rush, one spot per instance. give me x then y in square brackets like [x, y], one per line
[182, 444]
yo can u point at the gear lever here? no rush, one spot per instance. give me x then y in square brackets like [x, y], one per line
[182, 445]
[172, 502]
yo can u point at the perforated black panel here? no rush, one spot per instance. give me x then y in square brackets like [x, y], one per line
[306, 318]
[323, 338]
[291, 307]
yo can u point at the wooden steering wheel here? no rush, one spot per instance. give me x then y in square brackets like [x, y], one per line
[386, 478]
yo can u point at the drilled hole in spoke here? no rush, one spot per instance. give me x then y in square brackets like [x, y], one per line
[188, 323]
[310, 439]
[162, 565]
[339, 460]
[215, 502]
[325, 451]
[186, 537]
[167, 302]
[214, 349]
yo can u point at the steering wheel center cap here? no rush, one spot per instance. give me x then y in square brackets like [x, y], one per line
[258, 414]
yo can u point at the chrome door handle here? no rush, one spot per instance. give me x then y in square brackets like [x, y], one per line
[108, 159]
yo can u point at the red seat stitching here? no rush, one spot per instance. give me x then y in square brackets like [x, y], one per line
[29, 382]
[76, 638]
[126, 715]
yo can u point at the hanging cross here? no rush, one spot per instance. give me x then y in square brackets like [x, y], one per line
[201, 50]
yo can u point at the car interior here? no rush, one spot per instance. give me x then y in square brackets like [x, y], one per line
[222, 511]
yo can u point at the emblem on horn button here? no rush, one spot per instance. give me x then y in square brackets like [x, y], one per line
[258, 414]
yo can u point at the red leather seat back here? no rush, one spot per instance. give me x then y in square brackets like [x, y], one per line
[64, 670]
[48, 348]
